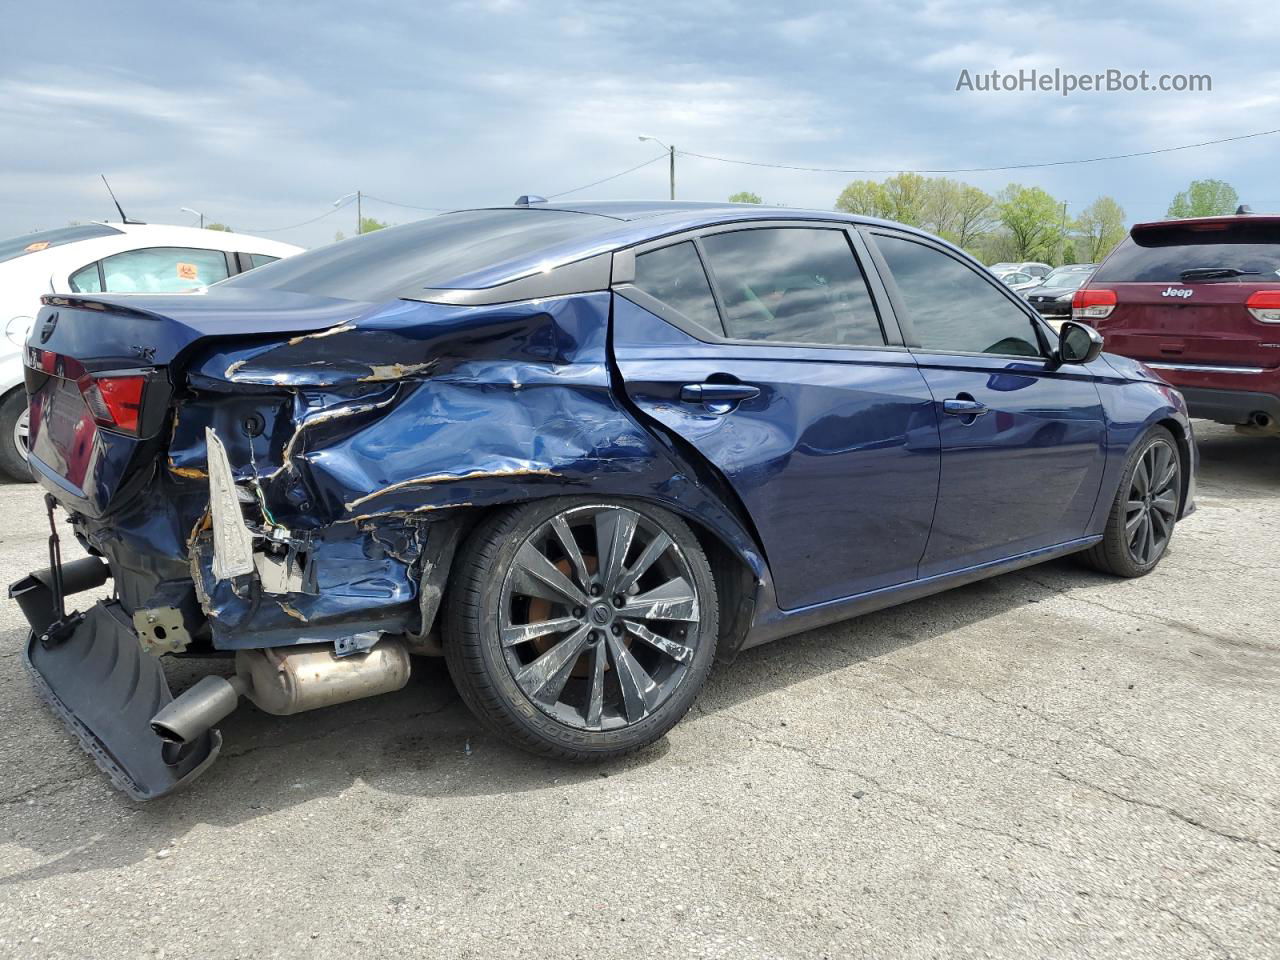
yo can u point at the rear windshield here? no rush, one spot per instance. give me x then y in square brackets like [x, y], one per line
[398, 261]
[1161, 255]
[35, 242]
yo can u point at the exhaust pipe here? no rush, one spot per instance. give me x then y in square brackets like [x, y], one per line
[1260, 419]
[284, 681]
[187, 717]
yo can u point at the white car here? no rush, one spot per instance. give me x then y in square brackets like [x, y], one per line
[1034, 267]
[96, 258]
[1018, 281]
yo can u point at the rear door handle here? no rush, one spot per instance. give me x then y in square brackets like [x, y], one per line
[717, 392]
[964, 408]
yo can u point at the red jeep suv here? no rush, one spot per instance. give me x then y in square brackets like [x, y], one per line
[1199, 301]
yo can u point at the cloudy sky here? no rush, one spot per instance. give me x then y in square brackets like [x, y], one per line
[262, 114]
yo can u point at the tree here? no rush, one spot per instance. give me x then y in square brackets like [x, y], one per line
[369, 224]
[338, 235]
[907, 194]
[1101, 227]
[865, 198]
[221, 227]
[956, 211]
[975, 216]
[1034, 221]
[1204, 198]
[745, 196]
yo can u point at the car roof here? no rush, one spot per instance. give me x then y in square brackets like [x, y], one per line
[626, 223]
[1194, 222]
[167, 234]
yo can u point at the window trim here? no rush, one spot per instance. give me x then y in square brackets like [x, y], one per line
[1038, 324]
[227, 259]
[624, 286]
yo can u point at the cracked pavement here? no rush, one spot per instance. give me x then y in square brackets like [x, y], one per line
[1048, 764]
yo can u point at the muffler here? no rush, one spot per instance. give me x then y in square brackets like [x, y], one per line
[284, 681]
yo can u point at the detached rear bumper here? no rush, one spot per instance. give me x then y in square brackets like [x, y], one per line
[95, 676]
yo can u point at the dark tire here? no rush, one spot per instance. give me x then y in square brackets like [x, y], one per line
[1144, 513]
[13, 459]
[565, 672]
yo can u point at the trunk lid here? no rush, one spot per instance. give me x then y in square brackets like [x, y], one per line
[101, 372]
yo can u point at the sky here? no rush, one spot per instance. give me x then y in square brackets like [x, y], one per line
[261, 115]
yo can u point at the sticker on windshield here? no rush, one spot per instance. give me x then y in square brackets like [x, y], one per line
[188, 271]
[44, 245]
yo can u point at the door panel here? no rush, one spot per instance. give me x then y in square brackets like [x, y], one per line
[1024, 474]
[836, 457]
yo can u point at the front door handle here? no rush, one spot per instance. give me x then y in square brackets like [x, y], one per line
[717, 392]
[964, 407]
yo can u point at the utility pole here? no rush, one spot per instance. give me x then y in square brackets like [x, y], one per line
[671, 154]
[1064, 231]
[360, 214]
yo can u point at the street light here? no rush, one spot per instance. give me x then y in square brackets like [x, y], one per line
[671, 151]
[195, 213]
[359, 217]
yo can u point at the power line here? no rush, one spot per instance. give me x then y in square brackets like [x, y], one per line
[410, 206]
[1012, 166]
[596, 183]
[293, 226]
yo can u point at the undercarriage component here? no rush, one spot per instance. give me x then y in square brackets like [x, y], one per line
[166, 623]
[285, 682]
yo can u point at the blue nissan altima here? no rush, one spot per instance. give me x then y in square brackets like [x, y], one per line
[578, 451]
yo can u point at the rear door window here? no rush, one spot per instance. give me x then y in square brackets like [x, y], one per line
[951, 307]
[87, 279]
[163, 270]
[792, 285]
[674, 276]
[1162, 255]
[259, 259]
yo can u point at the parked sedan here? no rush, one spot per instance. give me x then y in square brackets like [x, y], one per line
[98, 257]
[1033, 268]
[1052, 299]
[1017, 281]
[582, 452]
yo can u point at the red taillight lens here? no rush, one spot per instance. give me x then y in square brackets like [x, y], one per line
[1265, 305]
[115, 402]
[1092, 304]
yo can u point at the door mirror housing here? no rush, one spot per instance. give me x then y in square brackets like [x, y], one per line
[1078, 343]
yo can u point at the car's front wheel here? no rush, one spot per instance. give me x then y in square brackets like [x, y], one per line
[13, 436]
[580, 628]
[1145, 510]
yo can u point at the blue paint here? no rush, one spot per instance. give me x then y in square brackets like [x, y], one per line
[842, 486]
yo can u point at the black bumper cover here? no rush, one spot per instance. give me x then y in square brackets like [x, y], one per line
[102, 685]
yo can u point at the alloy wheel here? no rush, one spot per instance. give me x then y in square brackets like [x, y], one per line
[1152, 506]
[600, 617]
[20, 429]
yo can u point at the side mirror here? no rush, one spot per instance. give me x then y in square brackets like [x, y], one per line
[1078, 342]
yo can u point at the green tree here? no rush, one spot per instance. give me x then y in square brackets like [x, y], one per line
[975, 216]
[745, 196]
[221, 227]
[907, 194]
[369, 224]
[957, 211]
[865, 198]
[1101, 227]
[1204, 198]
[1034, 222]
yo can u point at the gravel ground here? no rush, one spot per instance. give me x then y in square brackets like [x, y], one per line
[1049, 764]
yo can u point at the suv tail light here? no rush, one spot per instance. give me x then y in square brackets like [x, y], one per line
[1092, 304]
[115, 402]
[1265, 306]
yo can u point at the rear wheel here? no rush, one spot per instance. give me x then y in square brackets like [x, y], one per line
[13, 436]
[1144, 511]
[581, 628]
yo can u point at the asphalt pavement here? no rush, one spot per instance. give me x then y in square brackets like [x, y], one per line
[1052, 763]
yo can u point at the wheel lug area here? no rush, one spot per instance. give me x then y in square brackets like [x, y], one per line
[579, 612]
[593, 637]
[596, 590]
[616, 630]
[619, 600]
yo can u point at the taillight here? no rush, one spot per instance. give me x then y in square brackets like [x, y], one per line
[1092, 304]
[1265, 306]
[115, 402]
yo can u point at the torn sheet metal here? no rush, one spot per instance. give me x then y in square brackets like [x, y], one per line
[232, 539]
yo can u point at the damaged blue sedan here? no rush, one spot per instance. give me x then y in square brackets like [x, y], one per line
[581, 452]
